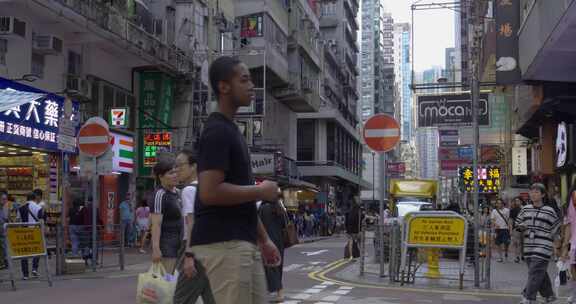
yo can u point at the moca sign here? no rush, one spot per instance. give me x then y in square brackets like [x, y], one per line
[451, 110]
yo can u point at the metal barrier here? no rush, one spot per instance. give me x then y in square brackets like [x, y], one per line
[387, 241]
[110, 245]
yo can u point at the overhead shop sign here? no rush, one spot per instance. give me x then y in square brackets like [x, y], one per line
[488, 179]
[32, 119]
[507, 13]
[154, 143]
[451, 110]
[119, 117]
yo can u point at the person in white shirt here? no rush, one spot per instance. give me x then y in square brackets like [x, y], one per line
[194, 283]
[31, 213]
[500, 218]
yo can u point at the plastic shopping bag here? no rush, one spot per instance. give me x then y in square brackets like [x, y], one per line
[156, 286]
[561, 276]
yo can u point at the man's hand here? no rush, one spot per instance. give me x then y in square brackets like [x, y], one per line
[269, 191]
[189, 267]
[270, 254]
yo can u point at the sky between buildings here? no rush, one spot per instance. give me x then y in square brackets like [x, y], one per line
[433, 31]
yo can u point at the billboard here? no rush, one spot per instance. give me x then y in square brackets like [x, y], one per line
[451, 110]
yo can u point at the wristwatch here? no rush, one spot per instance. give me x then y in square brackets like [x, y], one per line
[189, 254]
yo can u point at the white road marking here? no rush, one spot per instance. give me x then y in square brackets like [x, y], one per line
[313, 290]
[320, 286]
[323, 303]
[346, 288]
[311, 253]
[290, 302]
[292, 267]
[342, 292]
[331, 298]
[301, 296]
[327, 283]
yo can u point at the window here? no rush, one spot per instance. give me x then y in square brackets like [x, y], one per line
[74, 63]
[3, 51]
[38, 65]
[306, 140]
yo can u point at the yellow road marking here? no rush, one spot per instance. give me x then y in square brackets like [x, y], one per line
[320, 275]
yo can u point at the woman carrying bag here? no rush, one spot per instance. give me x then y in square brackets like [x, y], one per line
[568, 244]
[275, 220]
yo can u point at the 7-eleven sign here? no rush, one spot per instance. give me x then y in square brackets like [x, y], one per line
[119, 117]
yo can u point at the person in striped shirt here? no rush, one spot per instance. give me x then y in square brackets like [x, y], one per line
[539, 224]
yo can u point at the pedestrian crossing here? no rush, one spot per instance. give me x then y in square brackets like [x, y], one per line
[309, 267]
[325, 293]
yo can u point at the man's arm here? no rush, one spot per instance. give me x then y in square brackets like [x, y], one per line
[215, 192]
[262, 233]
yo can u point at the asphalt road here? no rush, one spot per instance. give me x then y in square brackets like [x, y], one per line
[300, 288]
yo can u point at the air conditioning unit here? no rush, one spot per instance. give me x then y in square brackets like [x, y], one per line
[11, 26]
[78, 87]
[47, 44]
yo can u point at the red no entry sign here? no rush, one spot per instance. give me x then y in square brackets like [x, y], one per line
[94, 137]
[381, 133]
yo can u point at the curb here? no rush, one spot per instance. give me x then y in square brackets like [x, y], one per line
[326, 274]
[307, 241]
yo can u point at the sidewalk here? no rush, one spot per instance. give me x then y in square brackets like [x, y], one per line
[507, 277]
[135, 263]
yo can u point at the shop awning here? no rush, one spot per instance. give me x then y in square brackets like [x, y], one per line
[10, 98]
[558, 109]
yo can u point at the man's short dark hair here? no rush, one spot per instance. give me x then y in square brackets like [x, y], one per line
[538, 186]
[222, 69]
[164, 165]
[31, 196]
[190, 156]
[38, 193]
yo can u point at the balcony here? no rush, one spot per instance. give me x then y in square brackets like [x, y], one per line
[331, 169]
[307, 40]
[329, 20]
[301, 95]
[121, 31]
[351, 13]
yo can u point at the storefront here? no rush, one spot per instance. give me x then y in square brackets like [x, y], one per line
[30, 157]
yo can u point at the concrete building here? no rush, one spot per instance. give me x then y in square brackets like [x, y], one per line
[403, 79]
[329, 144]
[450, 65]
[427, 145]
[377, 60]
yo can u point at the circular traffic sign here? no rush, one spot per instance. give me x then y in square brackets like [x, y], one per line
[94, 137]
[381, 133]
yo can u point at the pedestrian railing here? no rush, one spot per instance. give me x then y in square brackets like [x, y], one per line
[76, 243]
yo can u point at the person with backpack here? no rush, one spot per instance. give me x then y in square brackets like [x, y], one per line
[500, 219]
[193, 283]
[30, 213]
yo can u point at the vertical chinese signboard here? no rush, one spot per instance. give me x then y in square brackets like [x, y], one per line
[488, 179]
[507, 25]
[155, 113]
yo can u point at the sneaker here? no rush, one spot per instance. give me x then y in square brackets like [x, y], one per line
[142, 251]
[35, 273]
[500, 260]
[570, 300]
[25, 278]
[517, 260]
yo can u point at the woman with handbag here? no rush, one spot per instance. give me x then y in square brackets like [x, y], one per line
[274, 218]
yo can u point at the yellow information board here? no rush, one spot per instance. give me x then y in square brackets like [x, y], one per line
[25, 241]
[437, 231]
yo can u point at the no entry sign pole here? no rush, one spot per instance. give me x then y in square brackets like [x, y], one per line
[94, 140]
[382, 134]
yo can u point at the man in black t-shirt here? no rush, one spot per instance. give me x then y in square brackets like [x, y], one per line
[227, 234]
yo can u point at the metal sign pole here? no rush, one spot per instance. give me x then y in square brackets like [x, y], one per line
[9, 260]
[46, 265]
[94, 210]
[382, 193]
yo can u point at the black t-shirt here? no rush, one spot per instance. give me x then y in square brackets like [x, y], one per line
[168, 204]
[222, 147]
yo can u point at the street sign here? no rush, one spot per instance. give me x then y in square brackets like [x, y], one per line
[119, 117]
[67, 143]
[94, 137]
[436, 231]
[67, 126]
[381, 133]
[25, 241]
